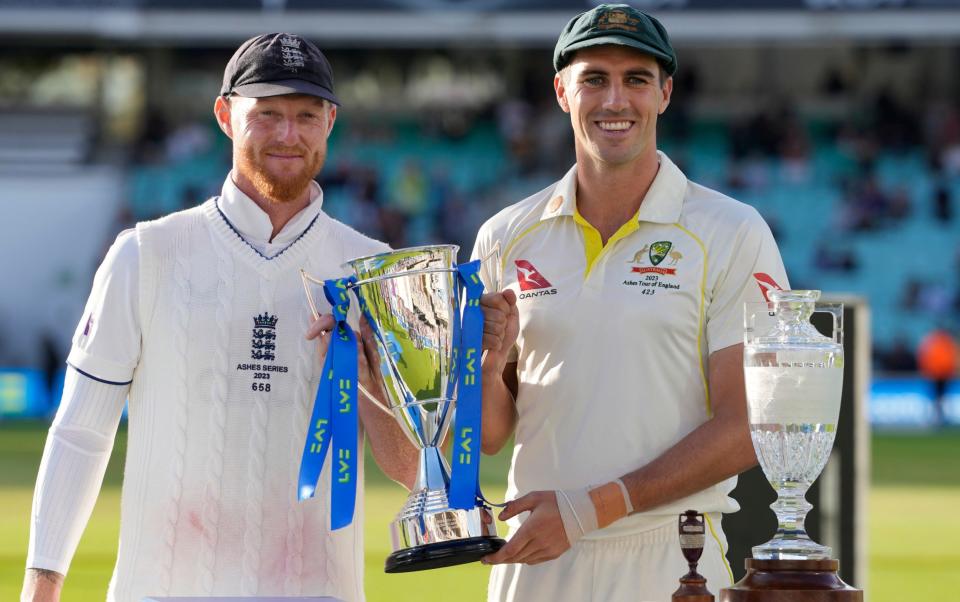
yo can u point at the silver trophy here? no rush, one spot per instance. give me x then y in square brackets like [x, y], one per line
[794, 377]
[409, 298]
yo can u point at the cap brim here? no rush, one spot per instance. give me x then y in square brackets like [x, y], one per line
[619, 41]
[282, 87]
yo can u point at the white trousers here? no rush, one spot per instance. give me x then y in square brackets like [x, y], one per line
[645, 567]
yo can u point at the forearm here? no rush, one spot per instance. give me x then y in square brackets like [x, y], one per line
[71, 471]
[499, 407]
[41, 585]
[716, 450]
[394, 453]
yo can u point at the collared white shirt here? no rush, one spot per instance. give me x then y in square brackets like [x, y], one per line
[615, 339]
[110, 326]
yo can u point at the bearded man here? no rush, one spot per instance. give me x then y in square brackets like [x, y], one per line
[199, 318]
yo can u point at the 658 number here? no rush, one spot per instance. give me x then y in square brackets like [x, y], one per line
[259, 386]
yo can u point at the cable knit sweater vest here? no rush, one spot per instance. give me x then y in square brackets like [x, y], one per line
[218, 412]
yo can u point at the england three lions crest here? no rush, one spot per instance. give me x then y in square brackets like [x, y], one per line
[264, 346]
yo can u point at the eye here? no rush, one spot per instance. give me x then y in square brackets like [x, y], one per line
[594, 81]
[636, 81]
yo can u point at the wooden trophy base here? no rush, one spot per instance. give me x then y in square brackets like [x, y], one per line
[791, 581]
[692, 589]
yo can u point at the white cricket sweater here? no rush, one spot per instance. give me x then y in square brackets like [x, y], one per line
[219, 403]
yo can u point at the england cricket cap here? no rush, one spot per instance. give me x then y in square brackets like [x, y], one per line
[618, 24]
[274, 64]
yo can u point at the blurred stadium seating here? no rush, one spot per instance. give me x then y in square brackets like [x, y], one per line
[831, 118]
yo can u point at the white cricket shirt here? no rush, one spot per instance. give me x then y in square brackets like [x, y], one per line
[614, 340]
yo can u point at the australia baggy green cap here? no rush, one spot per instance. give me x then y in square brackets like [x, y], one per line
[619, 24]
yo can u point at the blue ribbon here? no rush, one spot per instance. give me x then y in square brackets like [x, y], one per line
[465, 466]
[334, 418]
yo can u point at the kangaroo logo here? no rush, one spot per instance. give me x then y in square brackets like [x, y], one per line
[528, 277]
[638, 257]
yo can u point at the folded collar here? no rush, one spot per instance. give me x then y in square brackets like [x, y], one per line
[662, 203]
[252, 222]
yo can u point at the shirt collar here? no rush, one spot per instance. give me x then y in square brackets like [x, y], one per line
[662, 203]
[252, 222]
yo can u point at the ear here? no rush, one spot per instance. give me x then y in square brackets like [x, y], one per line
[561, 90]
[666, 91]
[333, 117]
[221, 110]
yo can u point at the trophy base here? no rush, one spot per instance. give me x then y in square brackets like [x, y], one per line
[791, 581]
[442, 554]
[692, 589]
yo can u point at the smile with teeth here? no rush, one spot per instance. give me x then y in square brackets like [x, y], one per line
[614, 126]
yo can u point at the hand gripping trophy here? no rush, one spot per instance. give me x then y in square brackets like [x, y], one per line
[429, 341]
[794, 377]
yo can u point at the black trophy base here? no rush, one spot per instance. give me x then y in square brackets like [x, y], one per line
[442, 554]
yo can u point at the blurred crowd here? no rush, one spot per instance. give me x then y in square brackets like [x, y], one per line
[419, 200]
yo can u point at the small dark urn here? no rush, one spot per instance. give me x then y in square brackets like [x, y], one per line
[693, 585]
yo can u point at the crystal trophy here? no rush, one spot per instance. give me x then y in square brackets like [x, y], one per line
[794, 377]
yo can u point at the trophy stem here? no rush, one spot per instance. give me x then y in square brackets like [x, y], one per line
[791, 541]
[433, 473]
[791, 508]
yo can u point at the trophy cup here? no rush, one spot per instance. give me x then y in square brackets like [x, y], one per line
[794, 377]
[410, 299]
[693, 585]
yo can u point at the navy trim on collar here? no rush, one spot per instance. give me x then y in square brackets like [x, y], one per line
[216, 203]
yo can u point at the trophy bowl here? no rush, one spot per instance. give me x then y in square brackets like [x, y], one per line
[410, 299]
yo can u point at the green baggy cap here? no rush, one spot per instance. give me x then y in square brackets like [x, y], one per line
[619, 24]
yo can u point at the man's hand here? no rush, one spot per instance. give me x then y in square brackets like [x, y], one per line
[368, 359]
[542, 536]
[501, 325]
[41, 585]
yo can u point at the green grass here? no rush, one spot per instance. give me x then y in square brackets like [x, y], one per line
[914, 525]
[914, 522]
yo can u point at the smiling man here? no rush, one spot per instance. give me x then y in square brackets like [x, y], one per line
[616, 355]
[199, 318]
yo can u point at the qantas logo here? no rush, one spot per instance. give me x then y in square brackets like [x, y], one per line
[532, 280]
[766, 284]
[528, 277]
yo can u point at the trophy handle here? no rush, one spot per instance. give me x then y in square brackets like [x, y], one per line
[757, 316]
[492, 261]
[307, 279]
[836, 314]
[376, 402]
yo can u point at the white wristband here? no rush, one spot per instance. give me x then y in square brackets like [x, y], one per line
[577, 512]
[626, 496]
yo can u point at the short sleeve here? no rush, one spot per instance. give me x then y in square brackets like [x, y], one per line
[482, 248]
[752, 268]
[489, 250]
[106, 344]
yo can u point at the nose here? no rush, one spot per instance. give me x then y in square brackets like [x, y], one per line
[287, 133]
[615, 98]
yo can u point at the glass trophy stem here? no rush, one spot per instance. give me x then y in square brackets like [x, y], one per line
[791, 541]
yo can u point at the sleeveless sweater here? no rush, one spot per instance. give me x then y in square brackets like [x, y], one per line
[218, 412]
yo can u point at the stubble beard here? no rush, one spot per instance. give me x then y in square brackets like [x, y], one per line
[282, 189]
